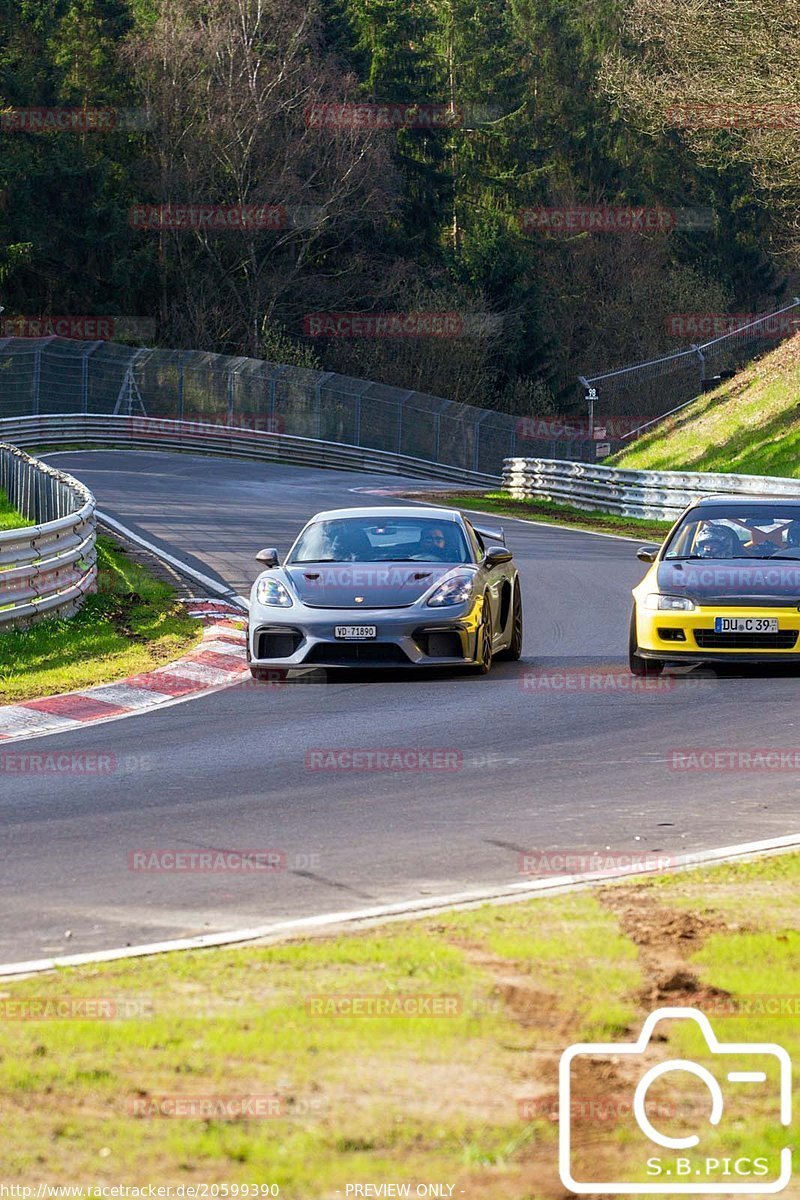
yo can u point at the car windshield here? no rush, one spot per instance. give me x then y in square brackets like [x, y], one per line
[373, 539]
[734, 531]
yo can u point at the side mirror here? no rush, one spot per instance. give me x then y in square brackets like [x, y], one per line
[647, 554]
[496, 555]
[268, 557]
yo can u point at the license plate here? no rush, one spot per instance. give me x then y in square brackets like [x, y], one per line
[356, 633]
[745, 625]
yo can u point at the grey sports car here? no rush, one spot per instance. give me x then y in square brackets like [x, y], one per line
[386, 587]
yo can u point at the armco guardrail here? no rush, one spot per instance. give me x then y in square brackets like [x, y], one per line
[155, 433]
[653, 495]
[46, 569]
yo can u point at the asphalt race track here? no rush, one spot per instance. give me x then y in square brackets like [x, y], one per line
[546, 759]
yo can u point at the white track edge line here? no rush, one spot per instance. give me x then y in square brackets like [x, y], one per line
[183, 567]
[400, 910]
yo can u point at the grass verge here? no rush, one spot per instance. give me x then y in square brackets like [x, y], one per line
[466, 1099]
[9, 517]
[545, 510]
[749, 425]
[132, 624]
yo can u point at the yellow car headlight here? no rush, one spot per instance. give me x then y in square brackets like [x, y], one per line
[657, 602]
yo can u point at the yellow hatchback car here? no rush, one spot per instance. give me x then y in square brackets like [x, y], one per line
[724, 587]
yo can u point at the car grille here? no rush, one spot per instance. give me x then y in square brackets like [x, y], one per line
[707, 639]
[356, 652]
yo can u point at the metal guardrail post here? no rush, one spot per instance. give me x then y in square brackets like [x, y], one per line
[318, 402]
[86, 355]
[37, 375]
[181, 386]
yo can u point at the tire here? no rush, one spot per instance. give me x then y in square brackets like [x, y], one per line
[260, 673]
[485, 635]
[643, 667]
[513, 652]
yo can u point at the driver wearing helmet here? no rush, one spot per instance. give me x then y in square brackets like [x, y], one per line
[793, 534]
[717, 541]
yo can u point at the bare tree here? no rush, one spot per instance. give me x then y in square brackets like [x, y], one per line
[230, 85]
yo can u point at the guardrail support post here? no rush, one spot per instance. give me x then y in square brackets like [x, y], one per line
[85, 375]
[230, 394]
[37, 376]
[181, 384]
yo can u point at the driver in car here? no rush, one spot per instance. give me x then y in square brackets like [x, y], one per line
[717, 541]
[434, 544]
[793, 535]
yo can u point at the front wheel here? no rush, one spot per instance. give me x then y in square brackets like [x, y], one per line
[485, 638]
[513, 651]
[643, 667]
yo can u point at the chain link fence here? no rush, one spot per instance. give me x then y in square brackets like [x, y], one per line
[633, 398]
[41, 376]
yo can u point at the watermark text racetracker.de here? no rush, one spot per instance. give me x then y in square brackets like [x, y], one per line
[421, 324]
[542, 863]
[384, 758]
[712, 325]
[565, 430]
[171, 860]
[601, 681]
[63, 119]
[608, 218]
[75, 1008]
[593, 1110]
[69, 762]
[735, 758]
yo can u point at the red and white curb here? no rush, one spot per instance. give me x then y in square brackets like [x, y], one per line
[219, 661]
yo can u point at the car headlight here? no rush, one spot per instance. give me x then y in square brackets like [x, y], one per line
[273, 593]
[669, 603]
[455, 590]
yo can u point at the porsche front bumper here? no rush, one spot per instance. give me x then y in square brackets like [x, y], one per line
[417, 635]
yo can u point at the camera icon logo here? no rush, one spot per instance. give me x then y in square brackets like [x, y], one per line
[729, 1076]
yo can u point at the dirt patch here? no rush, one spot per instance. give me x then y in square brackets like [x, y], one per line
[666, 938]
[548, 1023]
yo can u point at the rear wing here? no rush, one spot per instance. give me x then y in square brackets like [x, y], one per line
[491, 535]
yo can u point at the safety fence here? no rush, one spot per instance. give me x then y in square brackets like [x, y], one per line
[200, 437]
[633, 398]
[49, 376]
[49, 566]
[652, 495]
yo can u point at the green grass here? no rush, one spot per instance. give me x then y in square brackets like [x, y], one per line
[405, 1097]
[9, 517]
[749, 425]
[132, 624]
[381, 1099]
[557, 514]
